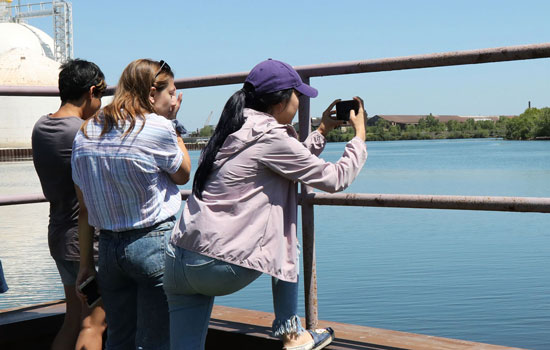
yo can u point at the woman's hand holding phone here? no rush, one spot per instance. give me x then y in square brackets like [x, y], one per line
[358, 120]
[328, 123]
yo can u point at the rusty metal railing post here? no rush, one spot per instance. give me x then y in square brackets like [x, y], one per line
[308, 228]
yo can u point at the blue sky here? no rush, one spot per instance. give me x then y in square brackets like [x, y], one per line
[200, 38]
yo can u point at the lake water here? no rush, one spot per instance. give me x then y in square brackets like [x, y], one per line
[479, 276]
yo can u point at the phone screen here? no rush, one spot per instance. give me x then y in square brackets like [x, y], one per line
[91, 291]
[344, 107]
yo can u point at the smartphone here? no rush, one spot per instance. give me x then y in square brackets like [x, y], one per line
[344, 107]
[91, 290]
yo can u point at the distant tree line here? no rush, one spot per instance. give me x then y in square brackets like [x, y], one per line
[532, 124]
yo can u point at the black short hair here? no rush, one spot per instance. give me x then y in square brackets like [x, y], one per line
[76, 77]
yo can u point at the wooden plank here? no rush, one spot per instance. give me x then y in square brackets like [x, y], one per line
[31, 327]
[242, 328]
[256, 323]
[27, 313]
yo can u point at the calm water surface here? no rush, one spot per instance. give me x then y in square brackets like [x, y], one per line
[480, 276]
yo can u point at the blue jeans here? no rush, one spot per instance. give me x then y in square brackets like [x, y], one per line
[131, 269]
[191, 281]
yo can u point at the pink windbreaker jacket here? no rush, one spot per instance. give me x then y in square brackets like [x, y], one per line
[248, 212]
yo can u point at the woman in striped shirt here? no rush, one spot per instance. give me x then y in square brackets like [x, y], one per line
[127, 162]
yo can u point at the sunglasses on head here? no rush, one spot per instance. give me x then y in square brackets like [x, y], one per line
[164, 67]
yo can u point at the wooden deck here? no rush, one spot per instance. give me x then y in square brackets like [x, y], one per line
[34, 328]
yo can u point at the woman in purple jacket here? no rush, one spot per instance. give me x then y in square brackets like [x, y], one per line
[240, 220]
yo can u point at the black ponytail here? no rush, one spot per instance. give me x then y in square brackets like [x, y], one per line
[231, 120]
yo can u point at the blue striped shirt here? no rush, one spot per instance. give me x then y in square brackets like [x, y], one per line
[125, 180]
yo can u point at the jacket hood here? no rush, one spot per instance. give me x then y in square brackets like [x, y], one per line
[257, 125]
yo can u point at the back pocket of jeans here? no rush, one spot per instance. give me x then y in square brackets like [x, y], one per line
[212, 277]
[146, 256]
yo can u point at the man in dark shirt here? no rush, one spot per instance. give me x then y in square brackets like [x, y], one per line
[81, 85]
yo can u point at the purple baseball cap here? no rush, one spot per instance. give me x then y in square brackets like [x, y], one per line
[272, 75]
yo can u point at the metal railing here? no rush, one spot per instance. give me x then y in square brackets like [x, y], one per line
[308, 198]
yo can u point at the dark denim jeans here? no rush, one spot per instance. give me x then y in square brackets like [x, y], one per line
[131, 270]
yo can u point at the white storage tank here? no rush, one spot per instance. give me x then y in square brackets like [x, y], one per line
[26, 59]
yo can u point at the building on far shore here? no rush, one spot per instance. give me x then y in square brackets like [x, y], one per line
[403, 120]
[315, 122]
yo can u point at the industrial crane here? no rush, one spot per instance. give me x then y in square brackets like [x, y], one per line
[206, 123]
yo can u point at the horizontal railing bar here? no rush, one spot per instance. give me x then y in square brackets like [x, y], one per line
[22, 199]
[454, 58]
[499, 54]
[43, 91]
[29, 91]
[211, 80]
[513, 204]
[39, 198]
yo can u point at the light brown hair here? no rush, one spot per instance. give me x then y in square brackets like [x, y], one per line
[131, 99]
